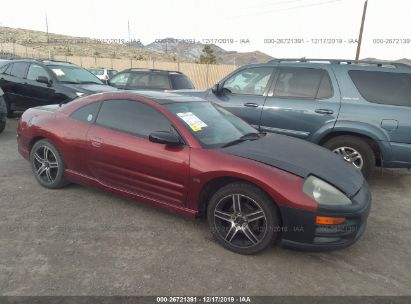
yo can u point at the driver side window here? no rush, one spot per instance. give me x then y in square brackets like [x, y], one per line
[252, 81]
[35, 71]
[120, 80]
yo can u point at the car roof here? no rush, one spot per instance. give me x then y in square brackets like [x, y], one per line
[335, 63]
[142, 70]
[45, 62]
[165, 97]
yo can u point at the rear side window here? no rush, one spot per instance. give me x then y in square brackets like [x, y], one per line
[180, 82]
[86, 113]
[383, 87]
[19, 69]
[3, 68]
[303, 83]
[144, 80]
[8, 69]
[132, 117]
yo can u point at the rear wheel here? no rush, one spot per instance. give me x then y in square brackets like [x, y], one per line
[243, 218]
[2, 125]
[47, 165]
[355, 151]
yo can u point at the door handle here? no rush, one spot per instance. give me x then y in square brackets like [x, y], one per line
[251, 105]
[324, 111]
[96, 141]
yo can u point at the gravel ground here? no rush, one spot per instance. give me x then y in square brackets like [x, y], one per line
[83, 241]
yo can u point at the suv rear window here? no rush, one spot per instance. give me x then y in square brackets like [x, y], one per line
[19, 69]
[383, 87]
[180, 82]
[144, 80]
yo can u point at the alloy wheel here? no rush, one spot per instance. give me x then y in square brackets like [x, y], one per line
[240, 220]
[45, 164]
[350, 155]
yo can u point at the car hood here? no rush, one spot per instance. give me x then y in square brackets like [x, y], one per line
[300, 158]
[91, 88]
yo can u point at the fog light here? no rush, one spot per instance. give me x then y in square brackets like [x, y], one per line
[324, 220]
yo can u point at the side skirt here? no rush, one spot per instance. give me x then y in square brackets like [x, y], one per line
[82, 179]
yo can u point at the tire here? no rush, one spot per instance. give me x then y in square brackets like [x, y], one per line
[10, 113]
[2, 125]
[346, 146]
[231, 227]
[47, 165]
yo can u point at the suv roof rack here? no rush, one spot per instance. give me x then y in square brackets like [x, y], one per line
[48, 60]
[152, 70]
[379, 63]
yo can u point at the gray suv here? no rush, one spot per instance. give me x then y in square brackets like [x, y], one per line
[360, 110]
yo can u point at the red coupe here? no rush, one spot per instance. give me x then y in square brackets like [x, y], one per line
[192, 157]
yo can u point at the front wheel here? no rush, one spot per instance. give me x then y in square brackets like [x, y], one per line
[354, 150]
[47, 165]
[9, 112]
[243, 218]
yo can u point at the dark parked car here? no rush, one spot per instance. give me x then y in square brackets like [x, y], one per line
[30, 83]
[150, 79]
[358, 110]
[3, 107]
[192, 157]
[3, 112]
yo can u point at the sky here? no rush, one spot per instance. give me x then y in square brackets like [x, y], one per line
[280, 28]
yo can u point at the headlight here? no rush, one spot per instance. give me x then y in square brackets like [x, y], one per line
[323, 193]
[79, 94]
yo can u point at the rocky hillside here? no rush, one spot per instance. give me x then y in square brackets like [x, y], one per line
[168, 49]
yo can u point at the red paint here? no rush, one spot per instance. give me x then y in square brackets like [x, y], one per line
[168, 177]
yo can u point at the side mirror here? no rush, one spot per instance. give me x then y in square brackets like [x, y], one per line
[165, 137]
[216, 89]
[43, 79]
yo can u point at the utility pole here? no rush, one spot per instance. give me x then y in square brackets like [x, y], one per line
[357, 55]
[47, 29]
[128, 27]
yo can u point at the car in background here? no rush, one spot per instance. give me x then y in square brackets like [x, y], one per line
[359, 110]
[3, 107]
[3, 112]
[103, 74]
[30, 83]
[150, 79]
[193, 157]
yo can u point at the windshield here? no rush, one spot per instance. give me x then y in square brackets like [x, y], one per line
[210, 124]
[74, 74]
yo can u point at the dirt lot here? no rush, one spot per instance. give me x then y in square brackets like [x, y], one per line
[82, 241]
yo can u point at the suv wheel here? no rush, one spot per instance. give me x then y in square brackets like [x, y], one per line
[355, 151]
[243, 218]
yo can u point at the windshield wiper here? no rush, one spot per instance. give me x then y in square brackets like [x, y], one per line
[89, 82]
[248, 136]
[70, 82]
